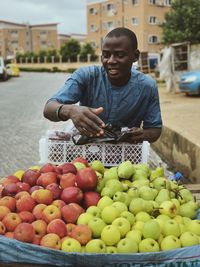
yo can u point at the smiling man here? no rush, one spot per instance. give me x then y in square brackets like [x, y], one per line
[114, 93]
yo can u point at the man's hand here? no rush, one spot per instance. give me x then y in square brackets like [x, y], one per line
[86, 120]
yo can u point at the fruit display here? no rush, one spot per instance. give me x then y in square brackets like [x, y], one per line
[84, 207]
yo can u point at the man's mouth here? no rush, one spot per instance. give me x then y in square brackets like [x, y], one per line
[112, 71]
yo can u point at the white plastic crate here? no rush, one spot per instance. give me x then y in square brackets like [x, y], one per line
[59, 151]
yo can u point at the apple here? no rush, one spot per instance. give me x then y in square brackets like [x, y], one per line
[34, 188]
[72, 194]
[43, 196]
[10, 179]
[77, 207]
[111, 249]
[171, 227]
[26, 216]
[9, 234]
[110, 235]
[11, 220]
[51, 241]
[55, 189]
[94, 211]
[71, 245]
[10, 190]
[148, 245]
[189, 239]
[90, 198]
[168, 208]
[21, 194]
[2, 228]
[151, 229]
[40, 227]
[170, 242]
[57, 226]
[50, 213]
[135, 235]
[38, 211]
[58, 203]
[142, 216]
[81, 160]
[84, 218]
[36, 240]
[3, 212]
[126, 169]
[70, 213]
[24, 232]
[67, 180]
[127, 245]
[136, 205]
[138, 226]
[123, 225]
[129, 216]
[48, 167]
[67, 168]
[82, 233]
[47, 178]
[96, 225]
[109, 214]
[95, 246]
[70, 227]
[98, 166]
[23, 186]
[9, 202]
[86, 179]
[120, 206]
[30, 177]
[25, 203]
[194, 227]
[104, 201]
[79, 165]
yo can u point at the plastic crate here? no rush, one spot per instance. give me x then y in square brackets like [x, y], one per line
[59, 151]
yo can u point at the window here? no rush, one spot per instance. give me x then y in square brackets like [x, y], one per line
[110, 25]
[152, 2]
[134, 21]
[93, 28]
[109, 7]
[43, 33]
[167, 2]
[93, 11]
[153, 39]
[135, 2]
[152, 20]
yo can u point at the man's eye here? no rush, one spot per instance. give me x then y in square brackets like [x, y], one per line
[120, 55]
[106, 55]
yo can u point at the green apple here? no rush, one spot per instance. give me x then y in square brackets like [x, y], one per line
[136, 205]
[116, 185]
[109, 214]
[147, 192]
[71, 245]
[140, 175]
[170, 242]
[96, 225]
[194, 226]
[163, 195]
[144, 167]
[161, 183]
[111, 249]
[98, 166]
[129, 216]
[127, 245]
[158, 172]
[178, 218]
[133, 192]
[189, 209]
[100, 185]
[123, 225]
[95, 211]
[120, 197]
[171, 227]
[120, 206]
[142, 216]
[139, 183]
[95, 246]
[138, 226]
[79, 165]
[107, 191]
[151, 229]
[135, 235]
[189, 239]
[111, 174]
[126, 170]
[84, 218]
[104, 201]
[168, 208]
[186, 194]
[110, 235]
[148, 245]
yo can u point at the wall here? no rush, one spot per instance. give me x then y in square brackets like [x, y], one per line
[180, 154]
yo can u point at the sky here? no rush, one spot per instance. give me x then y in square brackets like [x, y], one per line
[70, 14]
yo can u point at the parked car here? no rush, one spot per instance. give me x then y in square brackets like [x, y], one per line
[3, 71]
[189, 82]
[13, 70]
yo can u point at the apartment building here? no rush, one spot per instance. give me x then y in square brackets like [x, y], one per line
[144, 17]
[15, 37]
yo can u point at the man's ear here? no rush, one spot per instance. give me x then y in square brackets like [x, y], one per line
[136, 55]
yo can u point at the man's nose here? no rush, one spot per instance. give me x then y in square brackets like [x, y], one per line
[112, 59]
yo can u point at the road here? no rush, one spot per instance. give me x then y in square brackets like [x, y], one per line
[21, 118]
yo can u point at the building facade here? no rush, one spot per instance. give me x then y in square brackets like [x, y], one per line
[15, 37]
[144, 17]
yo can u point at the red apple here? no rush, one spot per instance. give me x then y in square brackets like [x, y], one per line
[72, 194]
[58, 203]
[70, 214]
[70, 227]
[67, 180]
[51, 241]
[23, 186]
[12, 179]
[25, 203]
[40, 227]
[77, 207]
[36, 240]
[3, 228]
[21, 194]
[38, 211]
[82, 233]
[24, 232]
[26, 216]
[10, 190]
[55, 189]
[43, 196]
[66, 168]
[35, 187]
[82, 160]
[9, 234]
[48, 167]
[11, 220]
[86, 179]
[90, 198]
[9, 202]
[50, 213]
[30, 177]
[47, 178]
[3, 211]
[57, 226]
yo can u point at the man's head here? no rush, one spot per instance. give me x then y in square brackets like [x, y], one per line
[119, 51]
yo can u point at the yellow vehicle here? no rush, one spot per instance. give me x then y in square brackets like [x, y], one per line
[13, 70]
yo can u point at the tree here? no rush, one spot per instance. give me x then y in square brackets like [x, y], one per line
[70, 50]
[85, 50]
[182, 23]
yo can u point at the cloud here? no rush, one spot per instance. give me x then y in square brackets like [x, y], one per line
[70, 14]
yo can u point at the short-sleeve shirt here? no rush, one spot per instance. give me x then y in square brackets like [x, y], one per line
[135, 104]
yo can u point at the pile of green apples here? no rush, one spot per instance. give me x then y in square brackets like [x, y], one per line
[140, 211]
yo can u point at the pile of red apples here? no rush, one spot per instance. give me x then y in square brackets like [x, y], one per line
[43, 206]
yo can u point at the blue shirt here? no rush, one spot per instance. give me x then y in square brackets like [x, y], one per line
[132, 105]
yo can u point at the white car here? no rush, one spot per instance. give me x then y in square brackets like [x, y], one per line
[3, 71]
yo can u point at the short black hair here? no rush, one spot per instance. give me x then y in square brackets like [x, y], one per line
[117, 32]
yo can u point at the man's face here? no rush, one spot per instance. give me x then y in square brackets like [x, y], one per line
[117, 58]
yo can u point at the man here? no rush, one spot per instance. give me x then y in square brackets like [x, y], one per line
[113, 93]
